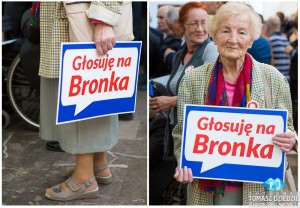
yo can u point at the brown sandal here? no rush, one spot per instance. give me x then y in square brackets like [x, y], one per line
[76, 191]
[105, 180]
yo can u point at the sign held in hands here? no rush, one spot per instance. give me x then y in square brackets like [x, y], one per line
[92, 86]
[233, 143]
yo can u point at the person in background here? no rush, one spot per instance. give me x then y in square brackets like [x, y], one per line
[284, 23]
[174, 25]
[278, 43]
[213, 6]
[261, 49]
[292, 50]
[162, 20]
[197, 50]
[88, 139]
[292, 34]
[224, 83]
[170, 41]
[157, 66]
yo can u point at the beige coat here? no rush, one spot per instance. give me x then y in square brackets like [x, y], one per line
[55, 22]
[71, 21]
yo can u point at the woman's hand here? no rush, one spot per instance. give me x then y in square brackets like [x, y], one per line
[285, 141]
[104, 38]
[184, 175]
[162, 103]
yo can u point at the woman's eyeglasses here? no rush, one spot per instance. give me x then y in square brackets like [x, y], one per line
[195, 25]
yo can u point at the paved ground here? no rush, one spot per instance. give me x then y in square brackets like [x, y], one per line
[28, 168]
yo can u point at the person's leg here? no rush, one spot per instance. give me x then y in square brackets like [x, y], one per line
[100, 160]
[84, 167]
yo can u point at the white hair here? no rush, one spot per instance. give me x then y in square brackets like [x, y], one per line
[233, 9]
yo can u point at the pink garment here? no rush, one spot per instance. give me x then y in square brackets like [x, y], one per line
[232, 188]
[230, 88]
[94, 21]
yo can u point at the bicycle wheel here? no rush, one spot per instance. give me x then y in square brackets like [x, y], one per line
[23, 97]
[5, 119]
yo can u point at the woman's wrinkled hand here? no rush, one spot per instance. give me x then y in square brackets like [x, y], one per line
[286, 141]
[104, 38]
[162, 103]
[183, 175]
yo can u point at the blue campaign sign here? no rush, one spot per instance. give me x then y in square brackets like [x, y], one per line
[234, 144]
[93, 86]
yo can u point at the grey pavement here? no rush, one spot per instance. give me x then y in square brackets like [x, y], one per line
[28, 168]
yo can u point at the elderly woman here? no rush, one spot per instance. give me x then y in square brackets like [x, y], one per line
[197, 50]
[233, 79]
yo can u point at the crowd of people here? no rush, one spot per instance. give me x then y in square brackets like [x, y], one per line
[219, 50]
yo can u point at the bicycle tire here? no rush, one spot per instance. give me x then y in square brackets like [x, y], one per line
[24, 99]
[5, 119]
